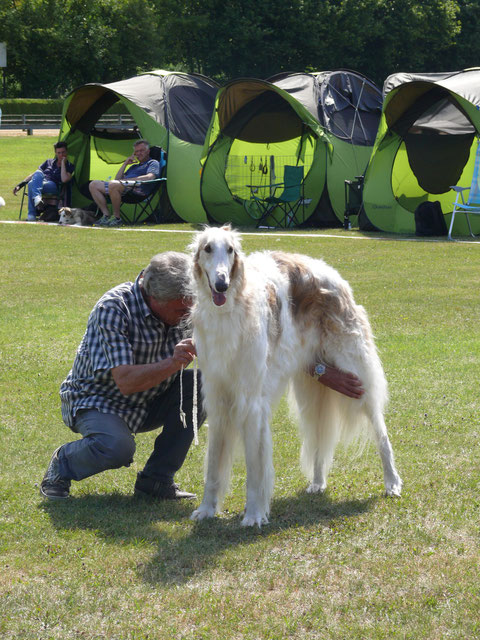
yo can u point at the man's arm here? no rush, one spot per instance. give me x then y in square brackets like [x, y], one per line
[131, 378]
[147, 176]
[64, 174]
[130, 160]
[22, 184]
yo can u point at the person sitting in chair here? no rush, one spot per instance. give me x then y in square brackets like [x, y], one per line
[49, 178]
[144, 169]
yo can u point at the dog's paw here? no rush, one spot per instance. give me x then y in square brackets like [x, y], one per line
[394, 489]
[316, 488]
[252, 519]
[202, 513]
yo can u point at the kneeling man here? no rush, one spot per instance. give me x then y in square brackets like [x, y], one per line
[125, 381]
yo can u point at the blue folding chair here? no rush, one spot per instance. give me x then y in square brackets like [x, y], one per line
[472, 204]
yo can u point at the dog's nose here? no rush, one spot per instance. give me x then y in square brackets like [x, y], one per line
[221, 286]
[221, 283]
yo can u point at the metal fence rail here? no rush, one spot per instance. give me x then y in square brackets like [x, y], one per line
[29, 122]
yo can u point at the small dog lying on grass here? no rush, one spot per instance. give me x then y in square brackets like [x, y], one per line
[76, 217]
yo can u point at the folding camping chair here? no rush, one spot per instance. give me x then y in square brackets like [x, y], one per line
[472, 205]
[48, 198]
[288, 202]
[143, 204]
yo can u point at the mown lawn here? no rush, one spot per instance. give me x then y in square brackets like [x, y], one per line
[349, 564]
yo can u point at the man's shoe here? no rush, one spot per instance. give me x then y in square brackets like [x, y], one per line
[53, 485]
[115, 222]
[31, 218]
[104, 221]
[39, 205]
[151, 488]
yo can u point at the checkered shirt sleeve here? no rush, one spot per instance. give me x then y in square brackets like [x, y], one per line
[121, 330]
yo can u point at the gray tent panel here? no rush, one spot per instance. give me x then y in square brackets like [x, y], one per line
[346, 103]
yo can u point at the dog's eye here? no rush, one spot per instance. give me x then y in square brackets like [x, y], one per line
[230, 249]
[208, 248]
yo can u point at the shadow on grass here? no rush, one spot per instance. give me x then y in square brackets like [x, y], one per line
[184, 549]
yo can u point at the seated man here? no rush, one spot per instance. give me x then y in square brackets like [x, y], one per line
[146, 168]
[49, 178]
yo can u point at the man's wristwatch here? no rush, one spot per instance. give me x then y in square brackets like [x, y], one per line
[319, 370]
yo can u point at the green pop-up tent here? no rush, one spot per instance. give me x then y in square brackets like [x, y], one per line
[257, 129]
[348, 106]
[324, 121]
[425, 145]
[169, 109]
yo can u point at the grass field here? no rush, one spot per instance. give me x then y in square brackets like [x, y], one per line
[347, 565]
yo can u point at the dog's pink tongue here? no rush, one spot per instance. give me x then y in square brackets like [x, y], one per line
[218, 298]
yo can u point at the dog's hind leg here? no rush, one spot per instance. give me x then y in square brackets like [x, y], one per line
[392, 480]
[319, 424]
[259, 463]
[221, 445]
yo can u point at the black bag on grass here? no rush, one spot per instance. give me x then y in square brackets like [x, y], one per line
[50, 214]
[429, 219]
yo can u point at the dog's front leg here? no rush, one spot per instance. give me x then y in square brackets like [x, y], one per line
[260, 473]
[218, 466]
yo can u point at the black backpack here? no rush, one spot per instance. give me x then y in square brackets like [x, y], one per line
[429, 219]
[50, 214]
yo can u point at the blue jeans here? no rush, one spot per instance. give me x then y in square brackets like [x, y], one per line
[36, 187]
[108, 443]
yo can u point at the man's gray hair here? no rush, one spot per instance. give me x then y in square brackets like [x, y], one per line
[145, 142]
[169, 276]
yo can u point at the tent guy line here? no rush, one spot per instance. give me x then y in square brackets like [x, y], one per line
[282, 234]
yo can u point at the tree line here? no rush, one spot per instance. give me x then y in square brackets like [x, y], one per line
[54, 46]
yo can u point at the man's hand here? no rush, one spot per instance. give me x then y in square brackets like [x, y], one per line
[132, 378]
[19, 186]
[343, 382]
[184, 352]
[131, 159]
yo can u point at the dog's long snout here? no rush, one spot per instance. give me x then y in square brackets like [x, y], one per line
[221, 283]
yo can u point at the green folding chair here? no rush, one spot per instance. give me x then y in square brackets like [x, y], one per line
[283, 209]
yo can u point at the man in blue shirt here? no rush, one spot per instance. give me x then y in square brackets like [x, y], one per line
[49, 178]
[145, 168]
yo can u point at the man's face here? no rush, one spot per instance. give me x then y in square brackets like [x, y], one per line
[61, 153]
[141, 152]
[171, 312]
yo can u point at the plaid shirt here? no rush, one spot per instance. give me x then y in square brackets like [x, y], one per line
[121, 330]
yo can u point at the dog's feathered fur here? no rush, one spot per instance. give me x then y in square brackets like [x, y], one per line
[259, 322]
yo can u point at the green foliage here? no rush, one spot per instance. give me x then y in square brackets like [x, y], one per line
[31, 105]
[62, 44]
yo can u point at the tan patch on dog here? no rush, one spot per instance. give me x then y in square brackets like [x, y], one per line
[312, 303]
[275, 306]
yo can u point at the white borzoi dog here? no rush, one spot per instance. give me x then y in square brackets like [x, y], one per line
[262, 321]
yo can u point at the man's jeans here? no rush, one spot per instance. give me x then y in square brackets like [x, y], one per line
[108, 443]
[36, 187]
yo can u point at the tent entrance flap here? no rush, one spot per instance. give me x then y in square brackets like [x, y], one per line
[437, 160]
[113, 150]
[266, 118]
